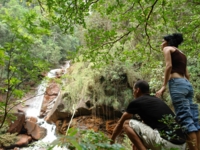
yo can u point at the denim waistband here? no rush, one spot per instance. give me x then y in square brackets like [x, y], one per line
[177, 79]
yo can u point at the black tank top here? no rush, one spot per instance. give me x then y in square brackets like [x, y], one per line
[179, 62]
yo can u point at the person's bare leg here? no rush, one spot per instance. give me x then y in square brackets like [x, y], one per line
[198, 139]
[133, 136]
[192, 141]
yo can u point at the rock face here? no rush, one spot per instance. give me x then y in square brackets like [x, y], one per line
[105, 118]
[50, 96]
[53, 110]
[16, 126]
[86, 116]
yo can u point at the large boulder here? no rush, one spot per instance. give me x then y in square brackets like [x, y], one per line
[51, 99]
[16, 125]
[34, 130]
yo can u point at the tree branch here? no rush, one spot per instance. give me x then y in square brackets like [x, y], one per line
[193, 2]
[41, 7]
[129, 9]
[146, 24]
[119, 38]
[93, 2]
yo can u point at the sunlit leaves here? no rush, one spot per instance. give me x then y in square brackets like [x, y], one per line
[2, 56]
[22, 27]
[66, 13]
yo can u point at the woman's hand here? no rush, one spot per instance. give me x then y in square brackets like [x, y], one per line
[160, 92]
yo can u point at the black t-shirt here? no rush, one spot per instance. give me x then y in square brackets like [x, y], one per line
[151, 110]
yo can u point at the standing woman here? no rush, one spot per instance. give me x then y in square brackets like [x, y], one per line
[181, 91]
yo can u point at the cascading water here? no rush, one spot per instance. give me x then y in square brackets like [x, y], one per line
[35, 107]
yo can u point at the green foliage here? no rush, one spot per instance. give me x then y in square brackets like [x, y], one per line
[86, 140]
[123, 30]
[171, 123]
[126, 142]
[33, 38]
[6, 139]
[28, 47]
[193, 69]
[18, 65]
[111, 85]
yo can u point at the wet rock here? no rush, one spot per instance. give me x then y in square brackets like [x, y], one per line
[34, 130]
[52, 89]
[50, 99]
[23, 140]
[45, 105]
[39, 132]
[59, 73]
[16, 126]
[30, 125]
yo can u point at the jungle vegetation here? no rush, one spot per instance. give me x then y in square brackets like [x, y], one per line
[38, 35]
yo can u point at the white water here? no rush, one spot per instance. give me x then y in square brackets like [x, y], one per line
[35, 108]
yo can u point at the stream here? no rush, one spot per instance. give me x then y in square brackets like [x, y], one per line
[35, 108]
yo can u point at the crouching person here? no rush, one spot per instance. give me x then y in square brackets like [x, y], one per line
[151, 133]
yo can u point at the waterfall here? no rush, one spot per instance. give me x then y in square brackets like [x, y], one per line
[35, 108]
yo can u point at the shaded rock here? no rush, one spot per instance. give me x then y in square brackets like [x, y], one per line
[16, 126]
[57, 116]
[106, 112]
[82, 109]
[62, 125]
[60, 107]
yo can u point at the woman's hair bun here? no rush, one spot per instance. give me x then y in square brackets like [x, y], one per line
[178, 37]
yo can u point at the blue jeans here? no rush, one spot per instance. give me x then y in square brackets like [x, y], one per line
[181, 93]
